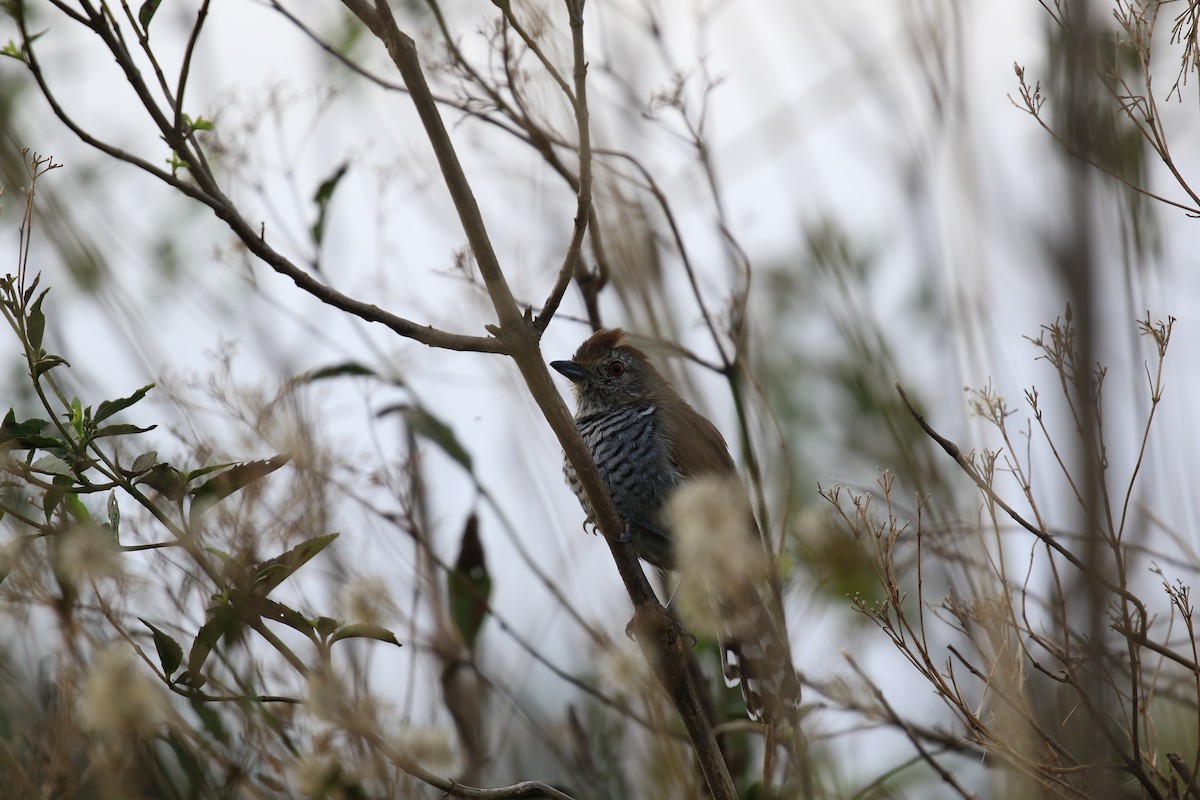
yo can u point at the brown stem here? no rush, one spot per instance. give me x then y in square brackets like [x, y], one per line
[657, 632]
[206, 191]
[1185, 772]
[518, 336]
[954, 452]
[584, 192]
[403, 51]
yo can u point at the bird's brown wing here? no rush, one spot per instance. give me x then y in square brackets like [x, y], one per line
[699, 448]
[756, 651]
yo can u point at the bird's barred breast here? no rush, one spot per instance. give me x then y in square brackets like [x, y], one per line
[632, 457]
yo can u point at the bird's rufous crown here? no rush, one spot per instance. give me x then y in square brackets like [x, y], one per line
[601, 342]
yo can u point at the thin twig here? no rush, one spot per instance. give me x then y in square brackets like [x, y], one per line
[584, 193]
[916, 741]
[954, 452]
[207, 192]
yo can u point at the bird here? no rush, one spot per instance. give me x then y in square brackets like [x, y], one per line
[648, 442]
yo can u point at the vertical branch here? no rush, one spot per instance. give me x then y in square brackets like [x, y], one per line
[403, 52]
[1077, 266]
[584, 190]
[661, 644]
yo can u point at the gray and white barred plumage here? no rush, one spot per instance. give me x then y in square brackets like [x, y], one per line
[633, 457]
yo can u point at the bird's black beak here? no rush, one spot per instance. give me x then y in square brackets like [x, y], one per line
[569, 368]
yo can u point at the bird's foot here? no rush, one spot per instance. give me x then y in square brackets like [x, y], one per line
[671, 629]
[626, 535]
[678, 629]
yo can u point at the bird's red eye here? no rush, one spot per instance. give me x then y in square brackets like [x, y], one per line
[616, 369]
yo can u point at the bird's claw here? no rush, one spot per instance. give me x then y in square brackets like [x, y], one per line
[626, 535]
[680, 630]
[675, 628]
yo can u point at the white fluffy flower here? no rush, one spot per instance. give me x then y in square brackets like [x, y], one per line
[118, 698]
[715, 548]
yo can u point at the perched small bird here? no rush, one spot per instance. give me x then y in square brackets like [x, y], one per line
[647, 442]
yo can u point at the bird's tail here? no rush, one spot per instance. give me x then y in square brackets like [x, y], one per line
[727, 586]
[757, 657]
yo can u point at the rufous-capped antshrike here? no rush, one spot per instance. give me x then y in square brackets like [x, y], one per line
[647, 441]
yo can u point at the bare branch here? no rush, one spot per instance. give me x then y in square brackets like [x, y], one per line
[913, 737]
[206, 191]
[403, 51]
[954, 452]
[658, 632]
[583, 207]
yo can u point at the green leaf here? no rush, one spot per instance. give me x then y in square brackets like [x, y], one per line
[32, 287]
[264, 577]
[35, 323]
[146, 13]
[46, 363]
[222, 621]
[166, 479]
[109, 407]
[52, 465]
[11, 50]
[29, 42]
[76, 508]
[202, 471]
[430, 427]
[144, 462]
[25, 435]
[217, 489]
[469, 586]
[55, 495]
[122, 429]
[322, 198]
[197, 124]
[325, 625]
[77, 416]
[34, 443]
[170, 654]
[364, 630]
[211, 720]
[114, 514]
[253, 606]
[219, 553]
